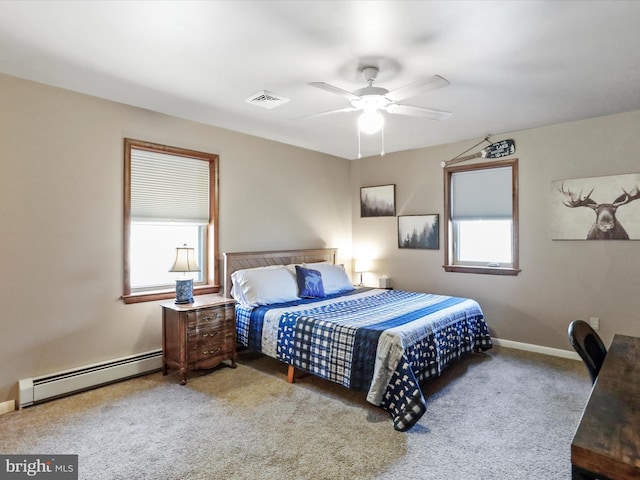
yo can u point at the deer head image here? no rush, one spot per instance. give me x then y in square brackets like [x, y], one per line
[606, 226]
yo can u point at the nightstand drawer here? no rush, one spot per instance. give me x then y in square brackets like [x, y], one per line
[212, 316]
[211, 335]
[207, 339]
[208, 351]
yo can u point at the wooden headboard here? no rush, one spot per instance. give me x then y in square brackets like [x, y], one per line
[242, 260]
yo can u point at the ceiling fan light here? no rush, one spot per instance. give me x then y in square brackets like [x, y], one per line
[371, 121]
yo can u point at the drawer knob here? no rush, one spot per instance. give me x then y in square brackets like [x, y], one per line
[212, 334]
[211, 351]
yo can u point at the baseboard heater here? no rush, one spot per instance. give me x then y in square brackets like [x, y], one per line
[47, 387]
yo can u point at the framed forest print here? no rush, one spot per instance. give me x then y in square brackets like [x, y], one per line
[418, 231]
[378, 201]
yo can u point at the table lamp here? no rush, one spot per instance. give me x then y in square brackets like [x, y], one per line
[185, 262]
[361, 266]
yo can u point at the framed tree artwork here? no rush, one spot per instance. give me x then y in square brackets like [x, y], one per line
[418, 231]
[379, 201]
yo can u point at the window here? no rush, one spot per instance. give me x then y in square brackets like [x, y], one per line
[481, 214]
[170, 199]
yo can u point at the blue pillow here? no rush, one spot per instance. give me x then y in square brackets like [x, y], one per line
[309, 283]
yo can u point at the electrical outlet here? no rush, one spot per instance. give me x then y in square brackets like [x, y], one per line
[594, 322]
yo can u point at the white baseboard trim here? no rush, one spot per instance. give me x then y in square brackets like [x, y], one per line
[529, 347]
[8, 406]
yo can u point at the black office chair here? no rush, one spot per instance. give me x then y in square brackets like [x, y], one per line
[589, 346]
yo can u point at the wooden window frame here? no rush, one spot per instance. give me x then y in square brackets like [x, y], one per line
[211, 273]
[449, 265]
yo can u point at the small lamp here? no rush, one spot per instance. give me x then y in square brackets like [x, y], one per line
[361, 266]
[185, 262]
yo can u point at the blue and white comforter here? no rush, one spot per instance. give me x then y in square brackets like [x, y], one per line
[383, 342]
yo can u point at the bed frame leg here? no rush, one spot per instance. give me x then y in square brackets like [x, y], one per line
[291, 374]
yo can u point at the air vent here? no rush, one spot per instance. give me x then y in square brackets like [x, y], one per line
[266, 99]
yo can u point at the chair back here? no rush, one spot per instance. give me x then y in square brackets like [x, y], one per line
[589, 346]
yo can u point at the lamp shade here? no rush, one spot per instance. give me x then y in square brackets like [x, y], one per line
[185, 260]
[361, 266]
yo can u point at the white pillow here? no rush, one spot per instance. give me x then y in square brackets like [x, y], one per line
[264, 285]
[334, 277]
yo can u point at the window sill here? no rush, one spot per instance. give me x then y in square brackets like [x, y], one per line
[151, 296]
[482, 270]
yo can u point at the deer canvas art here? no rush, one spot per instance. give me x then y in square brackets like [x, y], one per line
[597, 208]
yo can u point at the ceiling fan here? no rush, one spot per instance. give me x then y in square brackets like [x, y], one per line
[374, 100]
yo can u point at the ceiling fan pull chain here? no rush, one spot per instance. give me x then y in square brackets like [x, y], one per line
[382, 141]
[359, 154]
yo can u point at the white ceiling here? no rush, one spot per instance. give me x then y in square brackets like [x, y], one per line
[511, 65]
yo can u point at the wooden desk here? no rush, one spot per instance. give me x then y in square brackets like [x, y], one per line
[606, 445]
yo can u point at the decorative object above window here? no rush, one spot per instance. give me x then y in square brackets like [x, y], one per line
[499, 149]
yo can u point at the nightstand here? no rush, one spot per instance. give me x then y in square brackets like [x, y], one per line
[199, 335]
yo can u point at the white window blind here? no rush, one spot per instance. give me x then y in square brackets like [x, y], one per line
[485, 193]
[168, 188]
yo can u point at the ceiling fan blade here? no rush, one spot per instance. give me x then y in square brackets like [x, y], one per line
[321, 114]
[336, 90]
[414, 89]
[413, 111]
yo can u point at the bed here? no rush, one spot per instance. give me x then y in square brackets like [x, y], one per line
[299, 307]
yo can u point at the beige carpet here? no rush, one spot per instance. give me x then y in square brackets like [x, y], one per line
[501, 415]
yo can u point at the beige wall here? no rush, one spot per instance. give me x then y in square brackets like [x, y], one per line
[61, 170]
[560, 280]
[61, 242]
